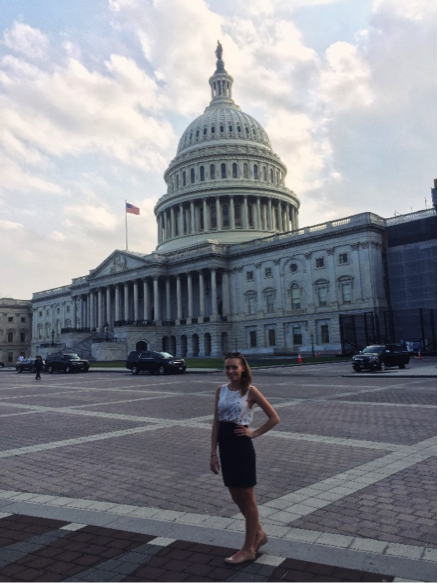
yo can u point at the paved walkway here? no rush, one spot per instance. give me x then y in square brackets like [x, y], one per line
[105, 478]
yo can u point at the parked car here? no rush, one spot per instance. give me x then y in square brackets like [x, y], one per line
[154, 362]
[379, 357]
[27, 364]
[2, 364]
[66, 362]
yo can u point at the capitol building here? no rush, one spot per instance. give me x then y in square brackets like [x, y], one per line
[232, 269]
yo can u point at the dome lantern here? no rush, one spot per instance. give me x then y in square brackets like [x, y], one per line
[220, 82]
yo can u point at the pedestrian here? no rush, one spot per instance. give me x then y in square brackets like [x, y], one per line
[38, 367]
[233, 413]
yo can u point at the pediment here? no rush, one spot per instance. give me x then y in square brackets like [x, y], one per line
[118, 262]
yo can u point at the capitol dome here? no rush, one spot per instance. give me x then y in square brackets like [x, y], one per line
[225, 183]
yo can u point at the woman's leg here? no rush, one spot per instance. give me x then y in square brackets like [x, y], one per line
[254, 534]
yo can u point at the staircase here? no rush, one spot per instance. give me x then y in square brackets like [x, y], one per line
[83, 348]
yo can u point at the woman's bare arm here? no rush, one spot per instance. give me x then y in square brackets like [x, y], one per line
[255, 397]
[214, 460]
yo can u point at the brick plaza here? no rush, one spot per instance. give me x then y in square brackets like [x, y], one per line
[105, 476]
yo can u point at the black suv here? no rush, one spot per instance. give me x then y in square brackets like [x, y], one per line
[27, 364]
[378, 357]
[154, 362]
[67, 362]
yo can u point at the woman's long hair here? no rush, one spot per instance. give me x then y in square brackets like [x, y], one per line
[246, 378]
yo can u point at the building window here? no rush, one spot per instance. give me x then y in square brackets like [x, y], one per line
[253, 339]
[47, 312]
[68, 309]
[177, 180]
[297, 336]
[346, 292]
[234, 170]
[202, 173]
[252, 298]
[250, 216]
[271, 175]
[223, 170]
[10, 357]
[237, 215]
[192, 175]
[319, 262]
[343, 258]
[184, 178]
[22, 336]
[10, 336]
[269, 295]
[293, 267]
[271, 337]
[245, 171]
[249, 275]
[265, 174]
[295, 296]
[268, 271]
[325, 337]
[256, 172]
[225, 216]
[40, 314]
[23, 320]
[213, 217]
[322, 296]
[10, 319]
[212, 171]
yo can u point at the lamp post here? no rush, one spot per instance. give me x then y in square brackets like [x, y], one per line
[106, 328]
[313, 347]
[53, 336]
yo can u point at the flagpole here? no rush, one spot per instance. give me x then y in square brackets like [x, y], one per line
[126, 226]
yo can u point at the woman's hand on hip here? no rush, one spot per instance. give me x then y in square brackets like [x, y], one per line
[243, 431]
[214, 464]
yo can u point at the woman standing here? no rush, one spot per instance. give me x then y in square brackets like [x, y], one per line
[233, 413]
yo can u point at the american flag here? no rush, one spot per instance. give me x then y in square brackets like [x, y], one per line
[133, 210]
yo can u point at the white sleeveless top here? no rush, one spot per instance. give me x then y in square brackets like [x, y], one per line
[234, 408]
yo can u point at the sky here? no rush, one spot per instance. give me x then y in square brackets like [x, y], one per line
[94, 97]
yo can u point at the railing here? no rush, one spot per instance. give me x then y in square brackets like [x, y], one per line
[411, 217]
[73, 330]
[103, 340]
[54, 345]
[119, 323]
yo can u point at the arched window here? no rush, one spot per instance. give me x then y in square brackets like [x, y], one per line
[295, 296]
[202, 173]
[177, 180]
[245, 171]
[223, 170]
[256, 172]
[213, 129]
[271, 175]
[265, 174]
[204, 131]
[239, 129]
[212, 171]
[184, 178]
[222, 128]
[230, 127]
[234, 170]
[197, 133]
[192, 175]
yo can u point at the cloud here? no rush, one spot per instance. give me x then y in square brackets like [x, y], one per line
[86, 216]
[26, 40]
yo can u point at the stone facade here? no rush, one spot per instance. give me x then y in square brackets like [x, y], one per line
[232, 269]
[15, 330]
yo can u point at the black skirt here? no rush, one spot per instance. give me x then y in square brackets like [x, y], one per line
[237, 456]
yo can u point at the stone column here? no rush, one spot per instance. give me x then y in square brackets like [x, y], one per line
[178, 298]
[117, 302]
[88, 324]
[259, 214]
[245, 213]
[205, 213]
[135, 284]
[126, 301]
[201, 296]
[108, 307]
[192, 217]
[172, 222]
[146, 299]
[232, 214]
[189, 297]
[213, 292]
[270, 227]
[99, 309]
[226, 293]
[157, 312]
[91, 311]
[219, 220]
[168, 314]
[181, 220]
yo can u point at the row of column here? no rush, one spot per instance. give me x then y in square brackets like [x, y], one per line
[113, 303]
[200, 216]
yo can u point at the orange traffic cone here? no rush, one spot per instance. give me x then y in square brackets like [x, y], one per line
[419, 355]
[299, 358]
